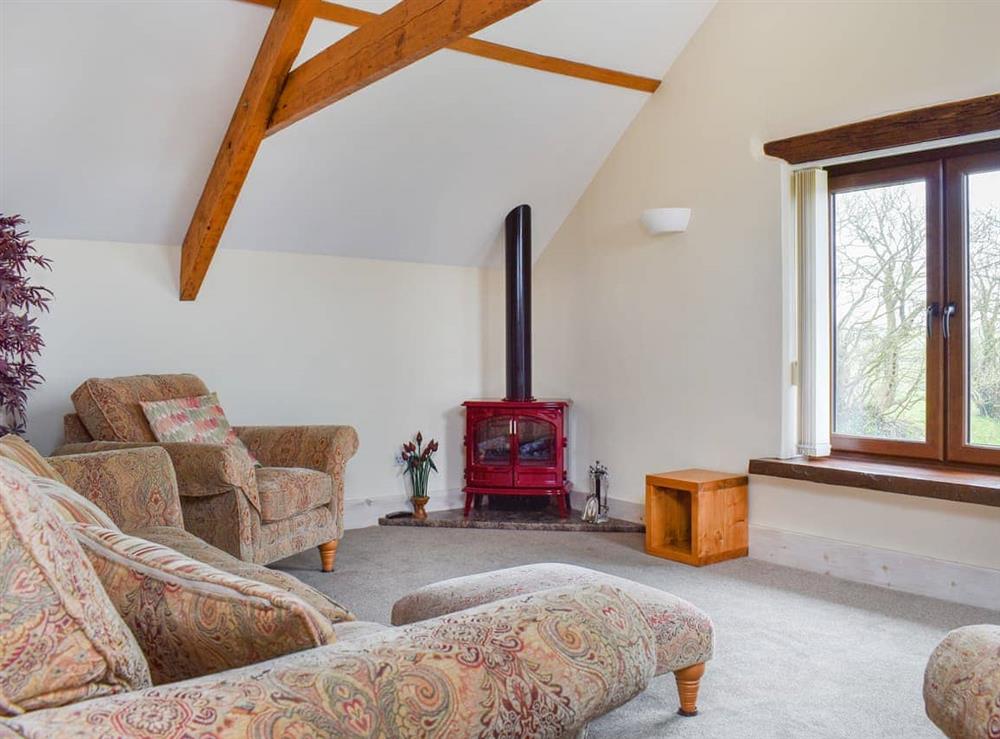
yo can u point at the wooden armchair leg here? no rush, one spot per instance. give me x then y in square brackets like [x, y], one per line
[688, 681]
[328, 554]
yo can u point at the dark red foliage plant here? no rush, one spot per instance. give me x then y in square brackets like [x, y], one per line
[20, 340]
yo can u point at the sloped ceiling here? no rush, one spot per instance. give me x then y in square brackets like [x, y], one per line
[112, 113]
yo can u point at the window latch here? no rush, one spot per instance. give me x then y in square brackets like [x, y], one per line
[933, 310]
[946, 314]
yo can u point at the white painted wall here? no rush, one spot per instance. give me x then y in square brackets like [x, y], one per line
[387, 347]
[671, 347]
[938, 529]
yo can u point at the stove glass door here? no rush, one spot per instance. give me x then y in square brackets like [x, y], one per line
[492, 441]
[536, 442]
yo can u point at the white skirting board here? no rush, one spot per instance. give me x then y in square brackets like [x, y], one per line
[617, 508]
[910, 573]
[362, 512]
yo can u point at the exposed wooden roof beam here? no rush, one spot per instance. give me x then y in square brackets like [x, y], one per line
[555, 65]
[282, 42]
[947, 120]
[403, 34]
[519, 57]
[274, 98]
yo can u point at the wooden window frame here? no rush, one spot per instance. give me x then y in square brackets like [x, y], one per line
[959, 377]
[943, 170]
[933, 445]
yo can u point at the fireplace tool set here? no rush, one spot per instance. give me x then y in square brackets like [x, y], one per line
[596, 508]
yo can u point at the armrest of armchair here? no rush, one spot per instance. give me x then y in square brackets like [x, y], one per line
[135, 487]
[201, 469]
[962, 682]
[322, 448]
[540, 665]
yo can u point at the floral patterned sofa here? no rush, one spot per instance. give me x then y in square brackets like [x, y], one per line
[962, 683]
[259, 514]
[215, 646]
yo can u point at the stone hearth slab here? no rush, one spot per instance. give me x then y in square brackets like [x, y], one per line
[521, 520]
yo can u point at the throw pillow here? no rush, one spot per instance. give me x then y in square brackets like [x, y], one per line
[198, 419]
[62, 639]
[192, 619]
[16, 449]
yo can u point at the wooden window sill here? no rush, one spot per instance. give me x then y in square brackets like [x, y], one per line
[925, 480]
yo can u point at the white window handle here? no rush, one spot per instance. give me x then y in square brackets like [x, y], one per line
[946, 314]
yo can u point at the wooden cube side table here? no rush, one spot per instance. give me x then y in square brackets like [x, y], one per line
[696, 516]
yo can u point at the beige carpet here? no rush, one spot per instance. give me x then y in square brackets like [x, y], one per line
[798, 654]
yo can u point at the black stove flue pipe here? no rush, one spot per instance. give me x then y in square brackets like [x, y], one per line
[517, 250]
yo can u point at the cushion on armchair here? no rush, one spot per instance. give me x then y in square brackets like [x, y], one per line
[198, 419]
[287, 491]
[62, 639]
[109, 407]
[191, 619]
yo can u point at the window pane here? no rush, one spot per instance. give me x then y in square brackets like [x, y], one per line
[984, 308]
[880, 272]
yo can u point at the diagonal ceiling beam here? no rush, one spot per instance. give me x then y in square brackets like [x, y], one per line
[274, 98]
[403, 34]
[508, 54]
[281, 44]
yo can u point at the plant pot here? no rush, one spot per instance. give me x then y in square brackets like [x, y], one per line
[418, 508]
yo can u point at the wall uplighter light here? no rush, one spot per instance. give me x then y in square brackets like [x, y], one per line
[658, 221]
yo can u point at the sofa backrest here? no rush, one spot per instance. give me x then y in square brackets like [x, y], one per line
[109, 407]
[74, 432]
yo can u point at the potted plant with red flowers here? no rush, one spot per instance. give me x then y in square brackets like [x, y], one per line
[20, 339]
[418, 461]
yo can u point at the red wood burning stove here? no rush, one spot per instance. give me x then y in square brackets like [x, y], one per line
[517, 446]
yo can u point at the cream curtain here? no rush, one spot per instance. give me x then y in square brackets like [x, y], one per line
[810, 210]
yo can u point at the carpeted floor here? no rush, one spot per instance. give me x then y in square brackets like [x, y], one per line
[798, 654]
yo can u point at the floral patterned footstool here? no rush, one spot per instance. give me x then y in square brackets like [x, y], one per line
[684, 635]
[962, 683]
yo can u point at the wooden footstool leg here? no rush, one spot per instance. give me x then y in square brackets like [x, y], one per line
[328, 554]
[688, 681]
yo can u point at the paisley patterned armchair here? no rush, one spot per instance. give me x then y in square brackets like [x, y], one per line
[259, 514]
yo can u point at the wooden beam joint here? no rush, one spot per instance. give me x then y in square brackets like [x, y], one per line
[349, 16]
[405, 33]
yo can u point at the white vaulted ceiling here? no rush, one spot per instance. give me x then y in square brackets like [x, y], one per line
[112, 112]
